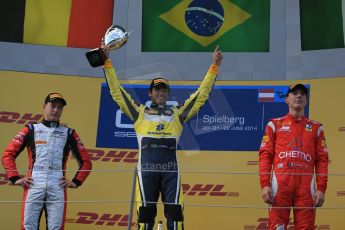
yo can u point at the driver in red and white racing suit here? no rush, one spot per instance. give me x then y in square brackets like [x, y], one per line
[293, 148]
[48, 144]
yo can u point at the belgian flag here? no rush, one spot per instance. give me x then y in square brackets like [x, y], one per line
[71, 23]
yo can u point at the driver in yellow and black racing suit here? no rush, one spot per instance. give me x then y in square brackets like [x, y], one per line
[158, 128]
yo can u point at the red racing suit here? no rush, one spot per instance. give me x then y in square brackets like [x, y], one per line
[292, 150]
[48, 145]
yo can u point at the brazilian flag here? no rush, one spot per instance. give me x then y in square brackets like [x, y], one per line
[200, 25]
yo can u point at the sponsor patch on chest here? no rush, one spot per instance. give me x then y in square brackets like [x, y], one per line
[308, 128]
[151, 112]
[284, 128]
[40, 142]
[58, 134]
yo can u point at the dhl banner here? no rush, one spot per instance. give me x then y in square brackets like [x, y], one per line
[229, 199]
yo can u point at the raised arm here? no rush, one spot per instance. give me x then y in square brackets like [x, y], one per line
[119, 94]
[193, 104]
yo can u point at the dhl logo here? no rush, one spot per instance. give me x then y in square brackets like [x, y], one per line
[105, 219]
[15, 117]
[263, 225]
[341, 193]
[341, 129]
[113, 155]
[207, 190]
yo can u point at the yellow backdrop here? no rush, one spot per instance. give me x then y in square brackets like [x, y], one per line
[102, 202]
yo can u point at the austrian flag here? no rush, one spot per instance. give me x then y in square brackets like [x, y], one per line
[266, 95]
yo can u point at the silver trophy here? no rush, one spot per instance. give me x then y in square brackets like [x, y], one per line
[115, 37]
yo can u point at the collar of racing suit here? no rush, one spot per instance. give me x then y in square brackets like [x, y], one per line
[293, 118]
[51, 124]
[155, 106]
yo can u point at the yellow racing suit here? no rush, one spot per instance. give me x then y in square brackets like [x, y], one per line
[158, 129]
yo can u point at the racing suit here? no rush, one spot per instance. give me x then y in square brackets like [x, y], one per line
[292, 149]
[158, 129]
[48, 145]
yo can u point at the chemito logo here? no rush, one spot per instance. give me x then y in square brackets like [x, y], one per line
[105, 219]
[124, 156]
[15, 117]
[262, 224]
[207, 190]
